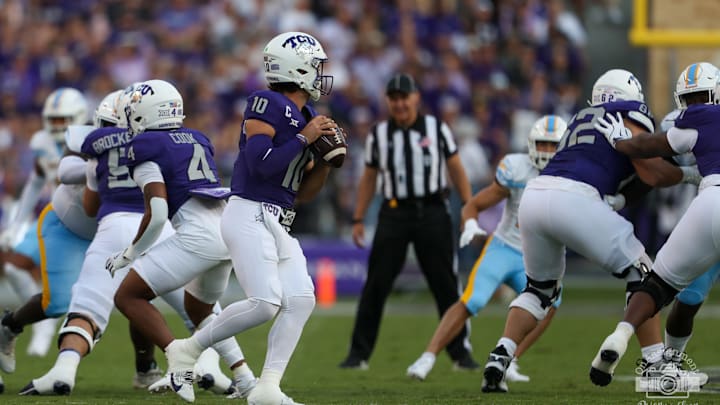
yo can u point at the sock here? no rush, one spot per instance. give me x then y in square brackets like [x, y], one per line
[286, 330]
[242, 371]
[429, 355]
[653, 353]
[625, 329]
[145, 366]
[677, 343]
[67, 363]
[509, 345]
[271, 377]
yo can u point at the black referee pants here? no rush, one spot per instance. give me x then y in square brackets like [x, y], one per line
[427, 224]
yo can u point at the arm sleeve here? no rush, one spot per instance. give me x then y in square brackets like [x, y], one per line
[72, 170]
[682, 140]
[266, 160]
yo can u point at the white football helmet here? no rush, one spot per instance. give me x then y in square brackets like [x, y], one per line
[64, 106]
[153, 104]
[549, 128]
[296, 57]
[700, 77]
[615, 85]
[106, 114]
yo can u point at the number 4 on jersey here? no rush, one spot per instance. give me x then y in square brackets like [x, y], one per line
[199, 167]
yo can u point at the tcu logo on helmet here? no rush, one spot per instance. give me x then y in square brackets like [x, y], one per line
[300, 39]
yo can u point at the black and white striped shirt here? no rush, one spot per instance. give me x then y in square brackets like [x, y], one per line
[412, 161]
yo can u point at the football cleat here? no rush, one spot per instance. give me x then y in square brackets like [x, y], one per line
[264, 394]
[7, 349]
[142, 380]
[495, 369]
[422, 366]
[607, 358]
[208, 374]
[47, 386]
[2, 385]
[354, 363]
[180, 369]
[241, 387]
[513, 373]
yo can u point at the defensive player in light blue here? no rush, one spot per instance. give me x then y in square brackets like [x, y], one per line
[174, 168]
[501, 259]
[273, 171]
[564, 207]
[691, 247]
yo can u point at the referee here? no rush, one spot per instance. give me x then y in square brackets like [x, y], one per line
[412, 154]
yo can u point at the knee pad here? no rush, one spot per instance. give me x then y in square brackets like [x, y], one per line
[538, 297]
[636, 271]
[73, 329]
[660, 291]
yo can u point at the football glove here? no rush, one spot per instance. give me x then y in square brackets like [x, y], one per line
[471, 230]
[119, 261]
[612, 128]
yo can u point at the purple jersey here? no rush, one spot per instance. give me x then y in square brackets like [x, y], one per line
[704, 119]
[584, 154]
[185, 157]
[283, 115]
[118, 192]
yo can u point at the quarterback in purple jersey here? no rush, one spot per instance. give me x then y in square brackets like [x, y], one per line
[692, 246]
[174, 167]
[564, 207]
[273, 171]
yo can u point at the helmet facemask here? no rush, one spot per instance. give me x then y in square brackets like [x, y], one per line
[548, 129]
[296, 57]
[697, 80]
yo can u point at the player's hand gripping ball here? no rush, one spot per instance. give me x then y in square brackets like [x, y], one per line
[331, 148]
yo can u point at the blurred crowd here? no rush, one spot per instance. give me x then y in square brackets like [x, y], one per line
[489, 68]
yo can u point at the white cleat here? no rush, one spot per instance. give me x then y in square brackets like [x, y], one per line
[48, 384]
[143, 380]
[180, 369]
[7, 349]
[208, 374]
[513, 373]
[43, 335]
[267, 394]
[422, 366]
[607, 358]
[242, 386]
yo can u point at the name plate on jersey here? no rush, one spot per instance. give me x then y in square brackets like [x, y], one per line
[214, 193]
[284, 216]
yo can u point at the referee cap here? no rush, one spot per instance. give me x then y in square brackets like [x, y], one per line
[401, 83]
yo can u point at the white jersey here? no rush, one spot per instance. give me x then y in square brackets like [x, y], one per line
[513, 172]
[47, 152]
[67, 204]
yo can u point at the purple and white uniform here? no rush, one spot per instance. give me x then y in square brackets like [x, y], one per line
[693, 246]
[269, 263]
[564, 205]
[195, 256]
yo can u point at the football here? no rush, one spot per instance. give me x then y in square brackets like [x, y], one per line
[331, 148]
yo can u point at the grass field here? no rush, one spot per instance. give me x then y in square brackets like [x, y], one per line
[558, 364]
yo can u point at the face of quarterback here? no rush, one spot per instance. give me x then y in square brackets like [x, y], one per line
[403, 107]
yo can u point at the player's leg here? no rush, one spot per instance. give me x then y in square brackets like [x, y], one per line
[544, 259]
[486, 275]
[683, 258]
[679, 323]
[387, 256]
[298, 302]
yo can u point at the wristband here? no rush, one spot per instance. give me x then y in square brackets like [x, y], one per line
[302, 138]
[357, 221]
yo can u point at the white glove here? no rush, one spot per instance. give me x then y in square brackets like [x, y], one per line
[471, 230]
[119, 260]
[615, 201]
[691, 175]
[613, 129]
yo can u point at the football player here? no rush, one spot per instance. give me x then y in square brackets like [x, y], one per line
[174, 168]
[63, 107]
[691, 248]
[501, 259]
[273, 171]
[564, 207]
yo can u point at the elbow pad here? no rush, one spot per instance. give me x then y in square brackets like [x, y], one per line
[72, 170]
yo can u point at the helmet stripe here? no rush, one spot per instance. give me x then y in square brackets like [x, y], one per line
[56, 100]
[551, 123]
[692, 73]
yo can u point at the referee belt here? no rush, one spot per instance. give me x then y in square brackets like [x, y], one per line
[433, 199]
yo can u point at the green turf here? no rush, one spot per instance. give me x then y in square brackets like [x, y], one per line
[558, 364]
